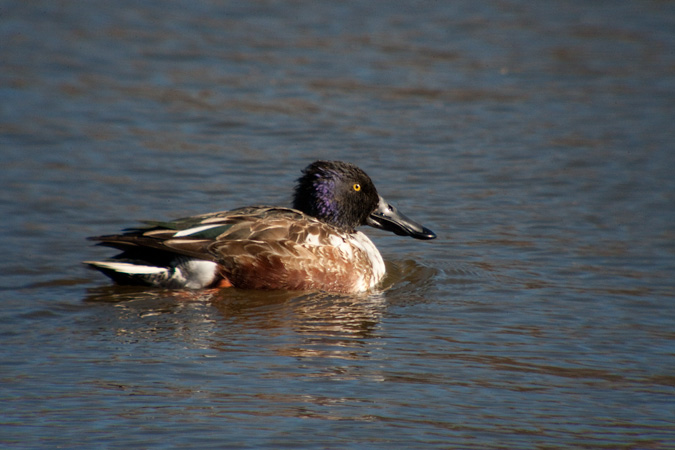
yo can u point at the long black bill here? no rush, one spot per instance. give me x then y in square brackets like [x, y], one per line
[386, 217]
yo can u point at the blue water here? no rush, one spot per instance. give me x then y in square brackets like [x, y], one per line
[535, 138]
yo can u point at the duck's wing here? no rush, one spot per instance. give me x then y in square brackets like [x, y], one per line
[193, 236]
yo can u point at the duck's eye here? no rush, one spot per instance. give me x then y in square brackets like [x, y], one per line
[357, 187]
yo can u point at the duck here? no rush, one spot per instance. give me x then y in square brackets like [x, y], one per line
[312, 246]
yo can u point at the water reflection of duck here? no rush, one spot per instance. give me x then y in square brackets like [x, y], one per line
[314, 246]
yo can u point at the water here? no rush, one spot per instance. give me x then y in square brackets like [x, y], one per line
[534, 138]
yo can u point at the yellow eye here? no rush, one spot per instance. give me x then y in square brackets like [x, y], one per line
[357, 187]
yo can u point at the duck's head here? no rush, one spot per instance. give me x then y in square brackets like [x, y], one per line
[342, 195]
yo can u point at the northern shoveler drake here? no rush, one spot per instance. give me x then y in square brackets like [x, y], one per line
[312, 246]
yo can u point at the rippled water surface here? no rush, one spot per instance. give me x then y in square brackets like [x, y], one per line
[535, 138]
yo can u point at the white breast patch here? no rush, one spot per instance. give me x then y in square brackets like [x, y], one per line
[361, 241]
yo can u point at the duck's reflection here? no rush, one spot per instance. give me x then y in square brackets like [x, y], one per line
[296, 324]
[288, 323]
